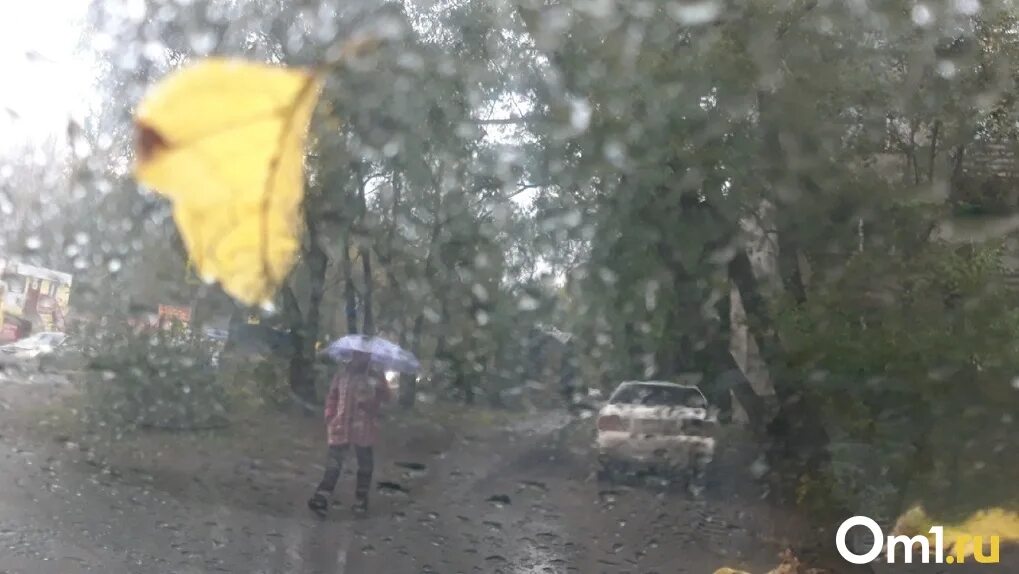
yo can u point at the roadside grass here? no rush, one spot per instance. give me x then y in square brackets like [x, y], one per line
[254, 433]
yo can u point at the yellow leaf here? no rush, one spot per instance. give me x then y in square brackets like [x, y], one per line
[984, 523]
[727, 570]
[224, 141]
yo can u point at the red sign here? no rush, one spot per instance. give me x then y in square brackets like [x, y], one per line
[13, 329]
[167, 312]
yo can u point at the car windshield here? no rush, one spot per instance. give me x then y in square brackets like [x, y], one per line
[407, 286]
[657, 396]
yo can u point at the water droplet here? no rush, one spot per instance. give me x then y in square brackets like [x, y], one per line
[499, 499]
[607, 276]
[33, 242]
[202, 42]
[527, 303]
[534, 485]
[580, 115]
[694, 13]
[651, 295]
[114, 265]
[133, 10]
[759, 468]
[493, 524]
[922, 15]
[1015, 383]
[391, 488]
[480, 292]
[946, 69]
[81, 148]
[967, 7]
[615, 153]
[572, 218]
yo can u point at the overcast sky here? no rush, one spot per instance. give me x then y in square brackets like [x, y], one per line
[43, 81]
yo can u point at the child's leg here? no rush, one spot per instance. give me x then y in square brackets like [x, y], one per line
[334, 464]
[365, 466]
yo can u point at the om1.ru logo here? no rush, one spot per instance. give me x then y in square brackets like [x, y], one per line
[960, 545]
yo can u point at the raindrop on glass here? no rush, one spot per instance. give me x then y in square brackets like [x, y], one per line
[946, 69]
[694, 13]
[967, 7]
[922, 15]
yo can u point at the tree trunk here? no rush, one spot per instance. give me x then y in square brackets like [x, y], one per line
[304, 326]
[349, 292]
[300, 371]
[366, 260]
[797, 438]
[932, 156]
[238, 318]
[408, 383]
[317, 262]
[369, 285]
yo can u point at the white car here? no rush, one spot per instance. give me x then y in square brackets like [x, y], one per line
[33, 346]
[32, 350]
[666, 426]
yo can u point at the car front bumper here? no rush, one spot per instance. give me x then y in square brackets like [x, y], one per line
[679, 450]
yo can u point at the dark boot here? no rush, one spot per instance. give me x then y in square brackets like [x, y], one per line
[318, 504]
[364, 482]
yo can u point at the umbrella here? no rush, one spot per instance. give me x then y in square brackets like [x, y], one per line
[385, 355]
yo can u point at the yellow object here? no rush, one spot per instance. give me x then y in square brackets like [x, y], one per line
[224, 141]
[985, 523]
[728, 570]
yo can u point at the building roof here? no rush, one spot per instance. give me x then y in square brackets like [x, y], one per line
[38, 272]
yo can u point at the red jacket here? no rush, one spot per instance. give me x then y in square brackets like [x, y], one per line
[352, 411]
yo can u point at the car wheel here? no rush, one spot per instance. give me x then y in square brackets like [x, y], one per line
[699, 480]
[673, 475]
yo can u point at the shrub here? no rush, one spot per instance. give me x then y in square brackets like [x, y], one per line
[157, 379]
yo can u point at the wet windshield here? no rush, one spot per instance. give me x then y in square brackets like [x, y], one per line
[351, 286]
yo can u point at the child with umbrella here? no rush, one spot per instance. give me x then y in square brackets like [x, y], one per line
[352, 410]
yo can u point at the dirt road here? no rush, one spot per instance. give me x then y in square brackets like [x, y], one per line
[512, 497]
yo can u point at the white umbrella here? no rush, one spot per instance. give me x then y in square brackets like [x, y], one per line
[384, 354]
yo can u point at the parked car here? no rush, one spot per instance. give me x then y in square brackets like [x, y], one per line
[660, 426]
[39, 351]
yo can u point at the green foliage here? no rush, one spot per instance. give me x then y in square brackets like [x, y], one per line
[255, 381]
[908, 355]
[160, 379]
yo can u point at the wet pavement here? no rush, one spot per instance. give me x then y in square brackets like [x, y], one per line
[520, 510]
[516, 501]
